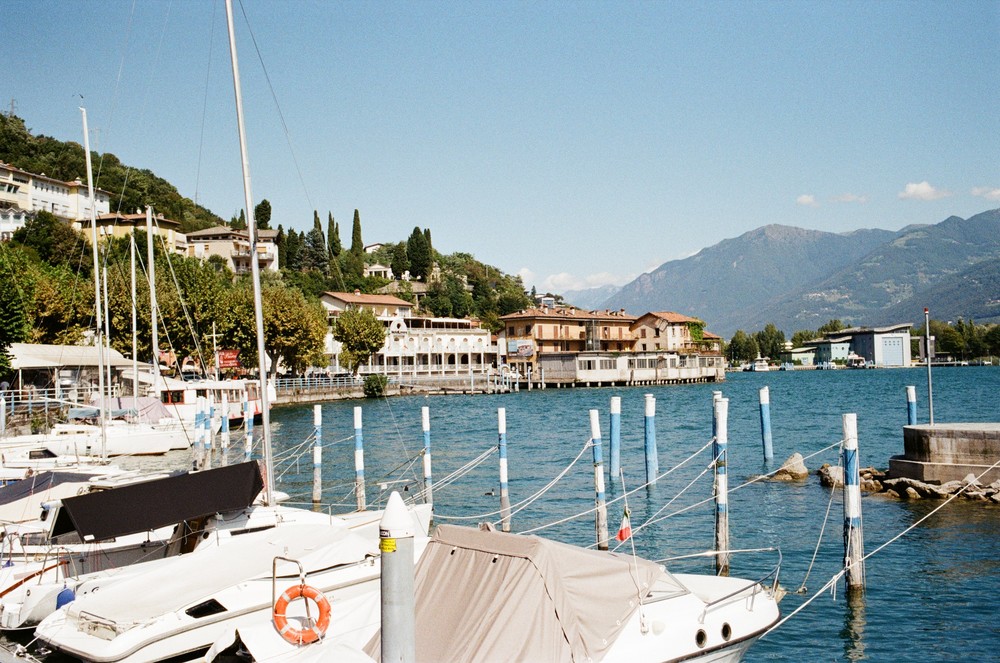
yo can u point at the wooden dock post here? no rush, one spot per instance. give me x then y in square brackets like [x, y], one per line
[616, 437]
[224, 424]
[317, 494]
[359, 461]
[601, 513]
[248, 427]
[721, 487]
[911, 406]
[765, 423]
[652, 462]
[502, 446]
[425, 422]
[854, 547]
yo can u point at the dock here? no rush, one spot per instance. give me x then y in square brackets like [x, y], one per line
[941, 453]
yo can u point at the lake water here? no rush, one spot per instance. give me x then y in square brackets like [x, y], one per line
[933, 594]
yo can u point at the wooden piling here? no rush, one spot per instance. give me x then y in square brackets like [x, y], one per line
[601, 512]
[502, 446]
[425, 423]
[317, 492]
[854, 547]
[652, 461]
[616, 437]
[765, 423]
[359, 462]
[721, 487]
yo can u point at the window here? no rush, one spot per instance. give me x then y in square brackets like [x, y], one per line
[642, 334]
[587, 364]
[607, 364]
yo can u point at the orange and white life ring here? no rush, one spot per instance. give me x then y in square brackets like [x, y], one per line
[307, 635]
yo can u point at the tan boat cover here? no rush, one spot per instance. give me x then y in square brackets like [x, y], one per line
[488, 596]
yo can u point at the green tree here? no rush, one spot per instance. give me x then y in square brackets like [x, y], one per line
[333, 237]
[361, 334]
[992, 340]
[741, 348]
[262, 215]
[800, 337]
[55, 242]
[357, 245]
[770, 341]
[418, 251]
[15, 301]
[238, 222]
[294, 329]
[400, 262]
[831, 327]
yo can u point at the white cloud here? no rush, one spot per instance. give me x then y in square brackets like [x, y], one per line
[807, 200]
[986, 192]
[527, 277]
[564, 281]
[850, 198]
[922, 191]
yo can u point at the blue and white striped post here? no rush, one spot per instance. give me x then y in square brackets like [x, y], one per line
[199, 433]
[765, 423]
[425, 423]
[206, 439]
[911, 406]
[502, 447]
[652, 462]
[248, 426]
[721, 487]
[600, 501]
[616, 438]
[317, 495]
[359, 462]
[854, 547]
[224, 424]
[3, 415]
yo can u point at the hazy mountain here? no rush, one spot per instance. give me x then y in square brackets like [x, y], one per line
[799, 279]
[723, 284]
[590, 298]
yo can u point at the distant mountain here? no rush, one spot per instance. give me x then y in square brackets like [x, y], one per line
[590, 298]
[799, 279]
[725, 283]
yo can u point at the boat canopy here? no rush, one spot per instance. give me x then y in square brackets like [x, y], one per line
[491, 596]
[149, 505]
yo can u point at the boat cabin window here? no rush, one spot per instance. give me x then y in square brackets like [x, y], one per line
[170, 397]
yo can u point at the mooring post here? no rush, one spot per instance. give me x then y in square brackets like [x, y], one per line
[359, 461]
[396, 532]
[248, 427]
[502, 445]
[616, 437]
[601, 513]
[652, 462]
[927, 347]
[199, 432]
[854, 546]
[425, 422]
[721, 487]
[209, 420]
[317, 495]
[3, 415]
[206, 439]
[224, 423]
[911, 406]
[765, 423]
[529, 378]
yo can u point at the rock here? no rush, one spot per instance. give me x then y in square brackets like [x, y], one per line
[871, 486]
[892, 493]
[831, 475]
[913, 493]
[793, 469]
[995, 498]
[970, 480]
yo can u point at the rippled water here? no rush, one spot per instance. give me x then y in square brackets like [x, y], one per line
[933, 594]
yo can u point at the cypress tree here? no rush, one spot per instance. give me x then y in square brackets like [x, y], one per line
[357, 246]
[332, 237]
[262, 215]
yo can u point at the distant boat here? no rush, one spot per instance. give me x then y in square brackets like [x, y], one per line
[760, 365]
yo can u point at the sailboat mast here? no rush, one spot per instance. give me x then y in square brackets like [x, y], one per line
[135, 326]
[98, 312]
[153, 309]
[254, 266]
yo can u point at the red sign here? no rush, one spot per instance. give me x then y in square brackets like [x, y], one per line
[229, 359]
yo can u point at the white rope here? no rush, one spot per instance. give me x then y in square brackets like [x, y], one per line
[819, 541]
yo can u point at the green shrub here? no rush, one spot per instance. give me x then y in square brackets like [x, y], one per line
[375, 386]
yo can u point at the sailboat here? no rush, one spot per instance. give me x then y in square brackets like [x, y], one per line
[178, 607]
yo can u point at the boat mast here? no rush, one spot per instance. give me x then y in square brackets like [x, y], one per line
[98, 313]
[153, 308]
[135, 327]
[254, 266]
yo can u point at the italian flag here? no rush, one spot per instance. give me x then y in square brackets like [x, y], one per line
[625, 531]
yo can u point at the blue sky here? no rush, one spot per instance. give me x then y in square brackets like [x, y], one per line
[577, 144]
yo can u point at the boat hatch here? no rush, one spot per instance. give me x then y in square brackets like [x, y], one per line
[205, 608]
[99, 628]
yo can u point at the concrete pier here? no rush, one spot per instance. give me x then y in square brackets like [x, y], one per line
[948, 452]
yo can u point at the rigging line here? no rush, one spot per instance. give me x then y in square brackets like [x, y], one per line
[204, 108]
[822, 530]
[277, 106]
[465, 469]
[184, 308]
[114, 95]
[399, 435]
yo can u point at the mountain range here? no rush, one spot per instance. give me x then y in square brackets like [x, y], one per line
[799, 279]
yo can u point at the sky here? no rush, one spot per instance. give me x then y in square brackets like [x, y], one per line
[578, 144]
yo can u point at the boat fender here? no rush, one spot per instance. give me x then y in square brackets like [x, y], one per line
[307, 635]
[66, 595]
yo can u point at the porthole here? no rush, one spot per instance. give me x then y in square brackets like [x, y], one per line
[701, 638]
[727, 631]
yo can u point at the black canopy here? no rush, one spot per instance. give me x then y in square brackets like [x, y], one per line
[145, 506]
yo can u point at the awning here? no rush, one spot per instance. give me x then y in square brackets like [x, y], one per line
[146, 506]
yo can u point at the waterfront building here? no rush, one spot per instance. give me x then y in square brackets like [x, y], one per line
[414, 345]
[23, 193]
[233, 246]
[887, 346]
[116, 224]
